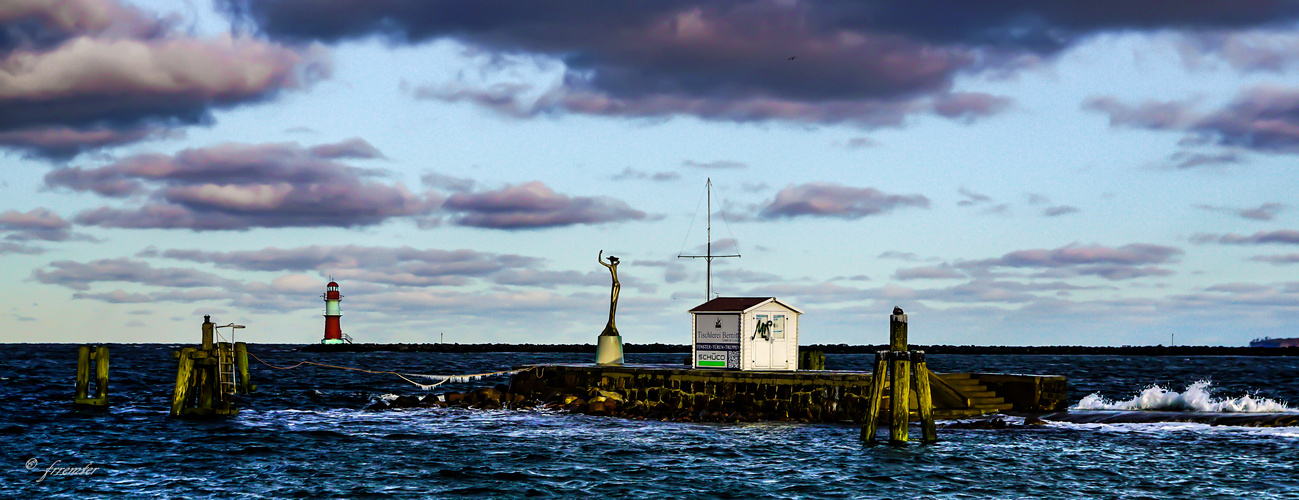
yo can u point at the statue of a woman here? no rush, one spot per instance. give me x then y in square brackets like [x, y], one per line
[610, 329]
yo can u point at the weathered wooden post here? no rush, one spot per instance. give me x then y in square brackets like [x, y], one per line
[924, 399]
[898, 363]
[100, 357]
[899, 382]
[205, 377]
[241, 360]
[876, 396]
[183, 374]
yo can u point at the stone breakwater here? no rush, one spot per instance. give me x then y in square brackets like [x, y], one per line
[665, 393]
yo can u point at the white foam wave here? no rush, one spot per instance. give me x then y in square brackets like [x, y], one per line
[1197, 397]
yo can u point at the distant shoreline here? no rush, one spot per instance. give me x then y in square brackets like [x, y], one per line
[828, 349]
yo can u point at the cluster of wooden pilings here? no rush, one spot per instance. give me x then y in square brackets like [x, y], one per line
[899, 362]
[86, 356]
[209, 376]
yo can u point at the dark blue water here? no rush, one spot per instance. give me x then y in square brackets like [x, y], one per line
[305, 435]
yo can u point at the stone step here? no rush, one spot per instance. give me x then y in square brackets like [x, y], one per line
[983, 392]
[995, 407]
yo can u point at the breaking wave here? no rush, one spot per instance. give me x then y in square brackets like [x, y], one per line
[1197, 398]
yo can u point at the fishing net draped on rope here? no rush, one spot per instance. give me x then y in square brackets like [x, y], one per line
[441, 379]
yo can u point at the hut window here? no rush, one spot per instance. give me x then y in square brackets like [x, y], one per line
[778, 326]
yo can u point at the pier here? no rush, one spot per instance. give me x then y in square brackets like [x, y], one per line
[804, 395]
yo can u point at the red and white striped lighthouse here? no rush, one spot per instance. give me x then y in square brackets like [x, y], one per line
[333, 331]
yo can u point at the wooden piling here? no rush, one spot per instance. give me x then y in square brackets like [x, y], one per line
[83, 371]
[85, 356]
[924, 401]
[184, 372]
[241, 360]
[876, 397]
[900, 387]
[899, 392]
[101, 374]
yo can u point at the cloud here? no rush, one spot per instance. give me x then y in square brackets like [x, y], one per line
[38, 223]
[7, 248]
[449, 183]
[402, 266]
[869, 63]
[63, 143]
[1283, 236]
[1263, 118]
[1278, 260]
[630, 173]
[88, 74]
[715, 165]
[971, 198]
[1058, 210]
[79, 276]
[1266, 211]
[832, 200]
[1120, 263]
[240, 186]
[355, 148]
[534, 205]
[860, 143]
[928, 272]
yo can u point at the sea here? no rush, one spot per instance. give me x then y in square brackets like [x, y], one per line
[306, 433]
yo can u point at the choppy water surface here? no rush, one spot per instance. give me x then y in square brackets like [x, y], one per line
[305, 435]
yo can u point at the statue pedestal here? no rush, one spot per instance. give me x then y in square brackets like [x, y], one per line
[608, 351]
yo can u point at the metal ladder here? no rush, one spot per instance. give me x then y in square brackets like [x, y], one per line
[226, 370]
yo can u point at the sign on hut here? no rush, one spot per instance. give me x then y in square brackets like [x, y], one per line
[745, 333]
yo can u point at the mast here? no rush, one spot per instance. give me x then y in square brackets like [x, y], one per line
[708, 257]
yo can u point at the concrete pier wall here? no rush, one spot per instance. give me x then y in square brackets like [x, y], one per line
[813, 396]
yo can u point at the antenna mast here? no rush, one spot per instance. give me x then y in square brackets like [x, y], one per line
[708, 257]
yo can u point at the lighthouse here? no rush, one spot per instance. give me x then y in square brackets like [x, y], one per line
[333, 331]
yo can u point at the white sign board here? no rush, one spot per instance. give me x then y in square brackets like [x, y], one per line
[717, 341]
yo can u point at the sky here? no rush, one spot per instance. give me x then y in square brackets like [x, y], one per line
[1009, 173]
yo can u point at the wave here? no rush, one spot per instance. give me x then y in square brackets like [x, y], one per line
[1197, 397]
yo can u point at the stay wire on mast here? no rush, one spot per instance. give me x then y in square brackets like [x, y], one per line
[682, 252]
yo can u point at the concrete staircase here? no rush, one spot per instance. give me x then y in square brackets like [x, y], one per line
[981, 399]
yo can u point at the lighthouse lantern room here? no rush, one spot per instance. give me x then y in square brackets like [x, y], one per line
[333, 331]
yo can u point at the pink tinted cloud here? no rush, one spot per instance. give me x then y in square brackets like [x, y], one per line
[833, 200]
[535, 205]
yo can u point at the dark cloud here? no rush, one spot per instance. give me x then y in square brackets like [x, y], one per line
[907, 256]
[1283, 236]
[868, 62]
[241, 186]
[1264, 118]
[63, 143]
[1185, 160]
[79, 276]
[89, 74]
[551, 279]
[534, 205]
[1266, 211]
[832, 200]
[1125, 262]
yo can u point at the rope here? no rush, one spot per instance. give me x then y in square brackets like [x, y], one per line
[442, 379]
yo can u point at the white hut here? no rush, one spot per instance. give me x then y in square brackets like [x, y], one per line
[745, 333]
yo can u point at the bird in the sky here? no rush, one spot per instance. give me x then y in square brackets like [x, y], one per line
[791, 58]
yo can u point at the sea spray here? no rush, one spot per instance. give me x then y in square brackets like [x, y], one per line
[1197, 398]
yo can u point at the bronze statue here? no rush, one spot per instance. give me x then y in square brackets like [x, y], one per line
[610, 329]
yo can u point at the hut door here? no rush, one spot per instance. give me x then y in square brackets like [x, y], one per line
[762, 342]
